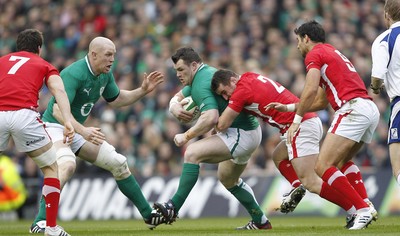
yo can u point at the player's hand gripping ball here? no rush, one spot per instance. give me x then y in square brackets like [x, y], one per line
[192, 107]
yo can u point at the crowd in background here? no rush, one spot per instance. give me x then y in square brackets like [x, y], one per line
[241, 35]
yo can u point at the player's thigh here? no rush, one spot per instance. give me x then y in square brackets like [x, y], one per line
[394, 151]
[356, 120]
[29, 133]
[4, 130]
[307, 141]
[394, 122]
[334, 149]
[56, 132]
[241, 143]
[207, 150]
[89, 152]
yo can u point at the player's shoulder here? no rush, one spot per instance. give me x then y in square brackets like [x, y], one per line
[78, 69]
[383, 37]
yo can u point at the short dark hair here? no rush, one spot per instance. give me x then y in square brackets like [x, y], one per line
[29, 40]
[187, 54]
[313, 30]
[221, 76]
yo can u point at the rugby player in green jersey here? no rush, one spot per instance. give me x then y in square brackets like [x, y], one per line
[85, 81]
[230, 149]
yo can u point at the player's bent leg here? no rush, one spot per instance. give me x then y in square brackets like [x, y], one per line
[66, 161]
[281, 160]
[51, 191]
[228, 174]
[66, 168]
[108, 159]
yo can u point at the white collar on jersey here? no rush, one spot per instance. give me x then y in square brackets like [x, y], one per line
[395, 24]
[88, 65]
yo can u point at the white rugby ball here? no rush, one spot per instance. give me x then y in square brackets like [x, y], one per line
[191, 106]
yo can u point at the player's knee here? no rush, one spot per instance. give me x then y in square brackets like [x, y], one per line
[112, 161]
[191, 156]
[66, 161]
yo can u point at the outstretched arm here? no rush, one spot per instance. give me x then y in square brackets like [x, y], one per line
[128, 97]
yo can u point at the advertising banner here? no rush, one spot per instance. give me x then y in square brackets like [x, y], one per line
[99, 197]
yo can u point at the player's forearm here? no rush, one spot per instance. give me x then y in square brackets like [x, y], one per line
[306, 100]
[78, 127]
[320, 101]
[126, 97]
[56, 87]
[63, 103]
[226, 119]
[206, 122]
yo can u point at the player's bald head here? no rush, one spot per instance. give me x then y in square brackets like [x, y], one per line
[100, 43]
[101, 55]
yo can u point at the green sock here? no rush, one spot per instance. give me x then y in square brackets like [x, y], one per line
[245, 195]
[130, 188]
[189, 176]
[42, 211]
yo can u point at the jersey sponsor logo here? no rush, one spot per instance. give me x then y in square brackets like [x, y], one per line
[34, 141]
[393, 133]
[87, 90]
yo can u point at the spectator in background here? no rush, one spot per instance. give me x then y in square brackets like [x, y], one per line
[225, 33]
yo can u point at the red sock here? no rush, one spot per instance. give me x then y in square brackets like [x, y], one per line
[287, 170]
[51, 193]
[353, 174]
[339, 182]
[330, 194]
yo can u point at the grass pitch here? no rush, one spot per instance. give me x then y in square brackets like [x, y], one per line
[213, 226]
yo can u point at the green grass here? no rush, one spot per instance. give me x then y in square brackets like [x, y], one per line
[213, 226]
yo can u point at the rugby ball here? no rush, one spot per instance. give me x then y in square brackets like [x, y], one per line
[190, 106]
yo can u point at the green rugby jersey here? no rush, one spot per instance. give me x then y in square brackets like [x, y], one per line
[84, 89]
[206, 99]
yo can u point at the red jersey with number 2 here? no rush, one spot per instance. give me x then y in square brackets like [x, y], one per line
[339, 78]
[22, 75]
[254, 92]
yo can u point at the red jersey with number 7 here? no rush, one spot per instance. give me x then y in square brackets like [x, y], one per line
[339, 78]
[254, 92]
[22, 75]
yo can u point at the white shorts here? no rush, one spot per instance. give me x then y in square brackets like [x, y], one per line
[306, 142]
[56, 132]
[241, 143]
[357, 120]
[26, 129]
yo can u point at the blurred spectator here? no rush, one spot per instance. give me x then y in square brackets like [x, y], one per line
[247, 35]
